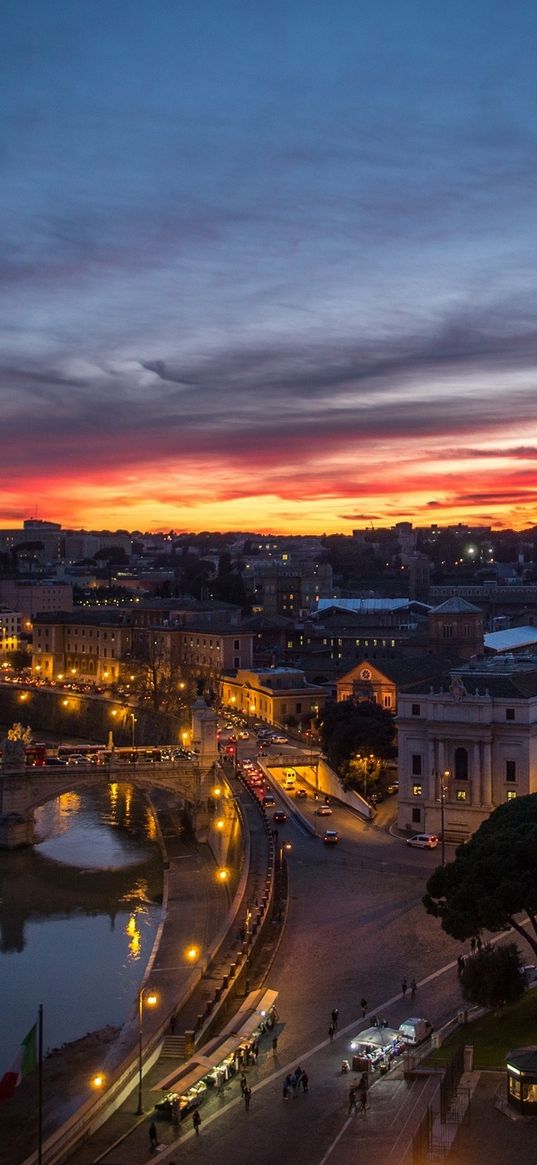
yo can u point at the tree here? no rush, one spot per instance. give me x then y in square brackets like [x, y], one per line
[351, 731]
[493, 977]
[19, 732]
[159, 675]
[493, 879]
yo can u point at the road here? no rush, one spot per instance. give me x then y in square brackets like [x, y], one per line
[355, 927]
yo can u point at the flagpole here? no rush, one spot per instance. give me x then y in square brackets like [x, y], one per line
[40, 1088]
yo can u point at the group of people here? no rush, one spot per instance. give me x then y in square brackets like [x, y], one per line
[412, 987]
[293, 1081]
[358, 1095]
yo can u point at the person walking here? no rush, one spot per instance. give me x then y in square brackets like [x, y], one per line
[274, 1045]
[196, 1121]
[331, 1031]
[335, 1017]
[363, 1100]
[297, 1078]
[404, 987]
[363, 1005]
[305, 1081]
[153, 1138]
[243, 1082]
[413, 988]
[352, 1099]
[247, 1097]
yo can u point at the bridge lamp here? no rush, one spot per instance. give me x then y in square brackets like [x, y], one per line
[217, 792]
[219, 824]
[192, 953]
[222, 874]
[98, 1080]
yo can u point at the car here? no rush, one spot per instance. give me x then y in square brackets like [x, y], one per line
[243, 734]
[279, 740]
[423, 841]
[323, 811]
[77, 759]
[376, 797]
[331, 837]
[269, 801]
[392, 788]
[302, 793]
[279, 817]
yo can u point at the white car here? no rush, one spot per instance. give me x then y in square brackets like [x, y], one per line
[279, 740]
[324, 811]
[423, 841]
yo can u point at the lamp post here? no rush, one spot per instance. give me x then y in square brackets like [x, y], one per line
[248, 942]
[283, 848]
[444, 777]
[133, 722]
[151, 999]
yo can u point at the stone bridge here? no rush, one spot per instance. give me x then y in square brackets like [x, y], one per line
[23, 789]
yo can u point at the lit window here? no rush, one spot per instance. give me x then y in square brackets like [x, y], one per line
[511, 794]
[461, 795]
[417, 789]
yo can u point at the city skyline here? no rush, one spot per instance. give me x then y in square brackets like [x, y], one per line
[268, 268]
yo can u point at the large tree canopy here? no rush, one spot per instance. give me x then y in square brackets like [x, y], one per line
[348, 729]
[493, 879]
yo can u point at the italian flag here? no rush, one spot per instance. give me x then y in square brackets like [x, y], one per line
[25, 1062]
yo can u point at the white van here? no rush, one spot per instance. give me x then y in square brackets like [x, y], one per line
[289, 779]
[415, 1030]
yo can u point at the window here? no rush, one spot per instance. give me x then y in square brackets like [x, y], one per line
[461, 764]
[387, 701]
[416, 764]
[417, 789]
[236, 644]
[461, 795]
[298, 708]
[509, 713]
[416, 709]
[416, 816]
[511, 794]
[510, 770]
[447, 631]
[236, 661]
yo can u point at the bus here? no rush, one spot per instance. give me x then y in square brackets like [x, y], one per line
[35, 754]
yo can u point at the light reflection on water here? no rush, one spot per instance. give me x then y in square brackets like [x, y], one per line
[78, 916]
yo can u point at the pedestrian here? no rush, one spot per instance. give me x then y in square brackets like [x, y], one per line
[297, 1078]
[404, 987]
[413, 988]
[173, 1023]
[335, 1017]
[331, 1031]
[247, 1097]
[363, 1100]
[153, 1138]
[460, 964]
[352, 1099]
[305, 1081]
[285, 1090]
[274, 1045]
[363, 1005]
[196, 1121]
[243, 1082]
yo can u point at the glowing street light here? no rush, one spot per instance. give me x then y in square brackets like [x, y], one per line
[151, 999]
[192, 953]
[222, 874]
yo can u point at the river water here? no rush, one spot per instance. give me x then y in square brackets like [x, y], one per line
[78, 916]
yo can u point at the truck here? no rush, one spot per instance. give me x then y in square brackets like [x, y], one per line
[415, 1030]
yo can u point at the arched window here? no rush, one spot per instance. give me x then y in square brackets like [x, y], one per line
[461, 764]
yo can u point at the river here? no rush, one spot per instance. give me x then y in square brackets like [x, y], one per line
[79, 913]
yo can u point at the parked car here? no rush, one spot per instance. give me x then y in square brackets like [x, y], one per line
[423, 841]
[331, 837]
[323, 811]
[392, 788]
[279, 817]
[279, 740]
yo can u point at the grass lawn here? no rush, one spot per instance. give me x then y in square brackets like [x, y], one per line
[493, 1036]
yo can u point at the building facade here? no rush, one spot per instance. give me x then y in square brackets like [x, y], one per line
[467, 745]
[277, 695]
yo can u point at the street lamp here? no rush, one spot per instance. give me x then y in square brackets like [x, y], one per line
[248, 942]
[150, 998]
[444, 777]
[132, 718]
[281, 851]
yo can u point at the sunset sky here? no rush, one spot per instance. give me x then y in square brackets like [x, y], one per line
[269, 266]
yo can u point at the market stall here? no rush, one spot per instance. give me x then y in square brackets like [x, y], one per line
[376, 1047]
